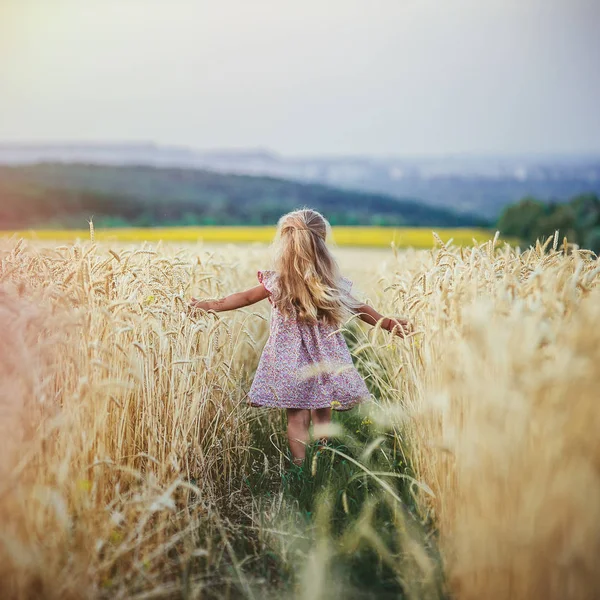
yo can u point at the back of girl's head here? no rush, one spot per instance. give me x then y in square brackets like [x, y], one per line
[309, 278]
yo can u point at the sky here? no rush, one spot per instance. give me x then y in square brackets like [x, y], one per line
[305, 77]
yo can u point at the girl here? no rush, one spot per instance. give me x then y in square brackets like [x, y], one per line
[305, 366]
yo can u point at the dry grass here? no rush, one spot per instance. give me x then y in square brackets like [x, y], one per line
[121, 420]
[502, 403]
[126, 445]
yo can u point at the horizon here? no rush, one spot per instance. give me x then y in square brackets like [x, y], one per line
[249, 150]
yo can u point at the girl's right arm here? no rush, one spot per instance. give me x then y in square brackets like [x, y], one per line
[369, 315]
[238, 300]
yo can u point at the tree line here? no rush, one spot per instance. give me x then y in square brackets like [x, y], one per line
[578, 220]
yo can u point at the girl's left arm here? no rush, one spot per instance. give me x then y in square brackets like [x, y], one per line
[238, 300]
[368, 314]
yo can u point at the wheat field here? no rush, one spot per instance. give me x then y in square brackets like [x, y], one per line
[132, 467]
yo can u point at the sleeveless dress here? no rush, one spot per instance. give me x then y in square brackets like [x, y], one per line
[305, 365]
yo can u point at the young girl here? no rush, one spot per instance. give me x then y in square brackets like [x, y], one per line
[305, 366]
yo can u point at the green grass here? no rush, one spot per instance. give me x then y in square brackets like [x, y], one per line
[348, 514]
[334, 509]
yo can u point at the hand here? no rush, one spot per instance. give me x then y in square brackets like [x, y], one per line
[400, 327]
[196, 305]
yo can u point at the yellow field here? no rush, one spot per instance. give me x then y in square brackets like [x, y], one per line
[415, 237]
[131, 466]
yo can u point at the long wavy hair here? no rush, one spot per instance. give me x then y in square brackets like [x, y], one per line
[310, 287]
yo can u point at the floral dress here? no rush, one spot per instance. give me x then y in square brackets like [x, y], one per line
[305, 365]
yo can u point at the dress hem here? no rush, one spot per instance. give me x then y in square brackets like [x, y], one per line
[341, 408]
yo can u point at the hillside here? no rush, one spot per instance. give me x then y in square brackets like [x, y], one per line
[67, 194]
[476, 184]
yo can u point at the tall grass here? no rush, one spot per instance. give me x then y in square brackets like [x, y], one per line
[131, 466]
[501, 402]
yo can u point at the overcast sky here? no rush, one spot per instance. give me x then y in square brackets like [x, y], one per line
[305, 76]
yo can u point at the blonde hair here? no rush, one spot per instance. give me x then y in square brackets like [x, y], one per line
[310, 286]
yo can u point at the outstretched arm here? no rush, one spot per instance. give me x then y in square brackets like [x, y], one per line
[238, 300]
[369, 315]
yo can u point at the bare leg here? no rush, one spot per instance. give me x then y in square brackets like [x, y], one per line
[297, 429]
[321, 416]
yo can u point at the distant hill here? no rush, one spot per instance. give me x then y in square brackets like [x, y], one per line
[474, 184]
[66, 195]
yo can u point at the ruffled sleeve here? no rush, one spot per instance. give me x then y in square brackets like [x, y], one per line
[345, 286]
[267, 278]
